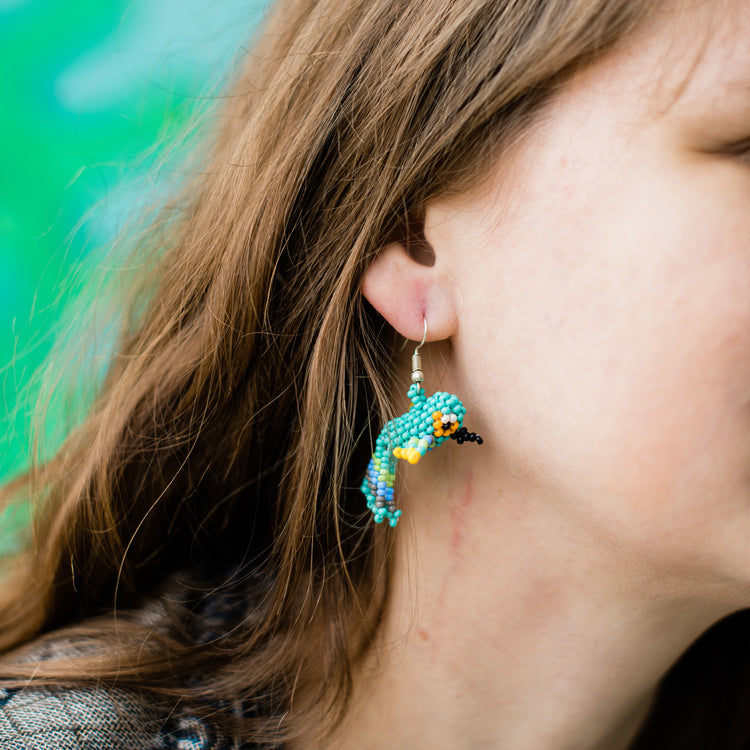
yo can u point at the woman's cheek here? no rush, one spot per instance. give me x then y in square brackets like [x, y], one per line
[624, 365]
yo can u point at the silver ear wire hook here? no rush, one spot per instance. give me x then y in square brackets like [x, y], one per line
[417, 376]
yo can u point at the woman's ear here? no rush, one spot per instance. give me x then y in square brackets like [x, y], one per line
[406, 292]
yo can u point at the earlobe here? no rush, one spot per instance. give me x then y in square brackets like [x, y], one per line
[406, 292]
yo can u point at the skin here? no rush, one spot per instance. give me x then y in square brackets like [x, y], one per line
[590, 304]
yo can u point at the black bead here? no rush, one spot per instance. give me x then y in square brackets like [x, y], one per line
[479, 440]
[472, 436]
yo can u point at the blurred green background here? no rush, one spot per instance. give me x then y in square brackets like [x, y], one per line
[91, 93]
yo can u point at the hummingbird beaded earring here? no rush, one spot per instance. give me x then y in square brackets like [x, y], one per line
[428, 423]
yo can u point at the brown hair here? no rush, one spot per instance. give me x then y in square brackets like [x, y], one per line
[234, 417]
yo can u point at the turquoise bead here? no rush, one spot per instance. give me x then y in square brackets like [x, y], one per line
[414, 430]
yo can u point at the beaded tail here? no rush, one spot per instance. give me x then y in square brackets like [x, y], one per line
[377, 485]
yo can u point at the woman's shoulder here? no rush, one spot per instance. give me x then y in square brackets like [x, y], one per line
[84, 718]
[90, 717]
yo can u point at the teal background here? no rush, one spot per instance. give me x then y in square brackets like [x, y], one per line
[92, 92]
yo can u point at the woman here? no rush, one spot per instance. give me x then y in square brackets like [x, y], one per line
[553, 193]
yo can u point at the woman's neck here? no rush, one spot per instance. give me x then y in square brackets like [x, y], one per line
[524, 635]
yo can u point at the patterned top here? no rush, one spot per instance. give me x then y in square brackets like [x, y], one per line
[104, 717]
[94, 719]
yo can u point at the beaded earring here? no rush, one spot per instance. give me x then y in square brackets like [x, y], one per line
[428, 423]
